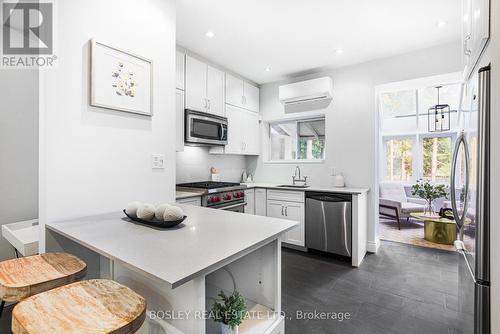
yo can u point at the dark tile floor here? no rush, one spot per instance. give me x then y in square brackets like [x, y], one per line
[403, 289]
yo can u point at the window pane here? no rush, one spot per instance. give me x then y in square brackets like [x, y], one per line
[437, 157]
[304, 140]
[398, 104]
[283, 141]
[399, 159]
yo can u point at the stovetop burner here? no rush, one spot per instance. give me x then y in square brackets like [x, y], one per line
[208, 185]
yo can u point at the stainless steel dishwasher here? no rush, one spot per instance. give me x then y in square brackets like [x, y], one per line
[329, 222]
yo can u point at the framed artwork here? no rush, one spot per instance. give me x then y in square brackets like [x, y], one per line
[120, 80]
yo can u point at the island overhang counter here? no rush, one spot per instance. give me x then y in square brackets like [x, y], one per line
[181, 270]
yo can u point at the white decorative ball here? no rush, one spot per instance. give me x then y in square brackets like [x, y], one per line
[146, 211]
[131, 209]
[173, 213]
[160, 210]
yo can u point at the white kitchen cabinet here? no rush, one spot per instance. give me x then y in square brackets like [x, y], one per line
[196, 201]
[261, 202]
[293, 211]
[196, 84]
[234, 91]
[251, 97]
[250, 198]
[204, 87]
[475, 31]
[179, 120]
[180, 62]
[243, 136]
[242, 94]
[215, 91]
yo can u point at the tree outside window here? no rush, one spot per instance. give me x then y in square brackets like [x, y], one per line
[399, 159]
[437, 156]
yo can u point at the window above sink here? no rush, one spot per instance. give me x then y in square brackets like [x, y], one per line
[293, 141]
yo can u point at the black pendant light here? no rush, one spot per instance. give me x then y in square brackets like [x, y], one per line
[439, 116]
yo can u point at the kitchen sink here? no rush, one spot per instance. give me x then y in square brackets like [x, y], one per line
[292, 186]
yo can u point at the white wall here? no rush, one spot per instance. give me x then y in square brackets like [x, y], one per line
[195, 162]
[351, 120]
[18, 149]
[94, 160]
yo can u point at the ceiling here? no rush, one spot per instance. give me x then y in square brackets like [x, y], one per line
[294, 37]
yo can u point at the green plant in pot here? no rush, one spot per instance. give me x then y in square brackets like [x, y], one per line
[230, 311]
[430, 192]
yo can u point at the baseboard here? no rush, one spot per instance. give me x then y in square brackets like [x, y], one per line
[373, 246]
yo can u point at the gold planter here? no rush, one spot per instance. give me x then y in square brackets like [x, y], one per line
[440, 232]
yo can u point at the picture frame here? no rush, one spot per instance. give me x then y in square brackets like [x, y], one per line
[120, 80]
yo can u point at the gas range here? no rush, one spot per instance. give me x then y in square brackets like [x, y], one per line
[218, 195]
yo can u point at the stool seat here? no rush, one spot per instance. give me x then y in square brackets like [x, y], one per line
[28, 276]
[86, 307]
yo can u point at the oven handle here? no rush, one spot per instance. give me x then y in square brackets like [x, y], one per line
[232, 206]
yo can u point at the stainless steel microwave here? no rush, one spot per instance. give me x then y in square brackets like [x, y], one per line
[205, 129]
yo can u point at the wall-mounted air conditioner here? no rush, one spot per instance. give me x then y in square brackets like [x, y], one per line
[306, 95]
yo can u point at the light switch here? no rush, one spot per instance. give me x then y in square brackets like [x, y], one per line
[157, 161]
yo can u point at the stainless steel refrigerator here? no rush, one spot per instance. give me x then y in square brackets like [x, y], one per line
[470, 199]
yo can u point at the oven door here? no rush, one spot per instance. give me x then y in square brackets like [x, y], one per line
[239, 207]
[235, 207]
[203, 128]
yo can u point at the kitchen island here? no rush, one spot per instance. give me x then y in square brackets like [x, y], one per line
[181, 270]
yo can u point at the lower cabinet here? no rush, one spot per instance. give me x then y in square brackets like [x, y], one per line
[260, 202]
[196, 201]
[292, 211]
[250, 198]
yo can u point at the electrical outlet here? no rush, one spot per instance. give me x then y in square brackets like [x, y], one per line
[157, 161]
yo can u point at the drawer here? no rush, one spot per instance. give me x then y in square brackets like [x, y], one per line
[285, 195]
[191, 201]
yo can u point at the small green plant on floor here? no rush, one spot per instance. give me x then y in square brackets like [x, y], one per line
[231, 310]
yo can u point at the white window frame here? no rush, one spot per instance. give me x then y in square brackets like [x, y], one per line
[293, 161]
[417, 135]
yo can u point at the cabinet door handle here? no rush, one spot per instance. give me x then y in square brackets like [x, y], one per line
[205, 100]
[282, 212]
[466, 48]
[208, 104]
[286, 211]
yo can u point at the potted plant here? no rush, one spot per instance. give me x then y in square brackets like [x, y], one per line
[230, 312]
[429, 192]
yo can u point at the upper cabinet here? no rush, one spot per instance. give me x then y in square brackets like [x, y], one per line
[242, 94]
[204, 87]
[243, 132]
[475, 31]
[179, 117]
[180, 61]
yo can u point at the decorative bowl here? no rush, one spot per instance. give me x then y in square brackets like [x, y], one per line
[156, 222]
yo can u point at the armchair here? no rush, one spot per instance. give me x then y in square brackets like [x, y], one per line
[393, 202]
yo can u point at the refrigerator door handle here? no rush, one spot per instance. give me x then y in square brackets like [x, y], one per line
[460, 220]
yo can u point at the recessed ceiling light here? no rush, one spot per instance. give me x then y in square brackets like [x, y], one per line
[441, 24]
[267, 69]
[338, 52]
[210, 34]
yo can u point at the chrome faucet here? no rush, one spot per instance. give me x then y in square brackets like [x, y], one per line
[296, 178]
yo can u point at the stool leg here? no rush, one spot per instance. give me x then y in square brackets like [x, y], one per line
[1, 307]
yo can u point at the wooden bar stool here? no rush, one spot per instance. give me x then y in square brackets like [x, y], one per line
[86, 307]
[28, 276]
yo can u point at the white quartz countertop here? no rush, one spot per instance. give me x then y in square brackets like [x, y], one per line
[187, 194]
[346, 190]
[206, 240]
